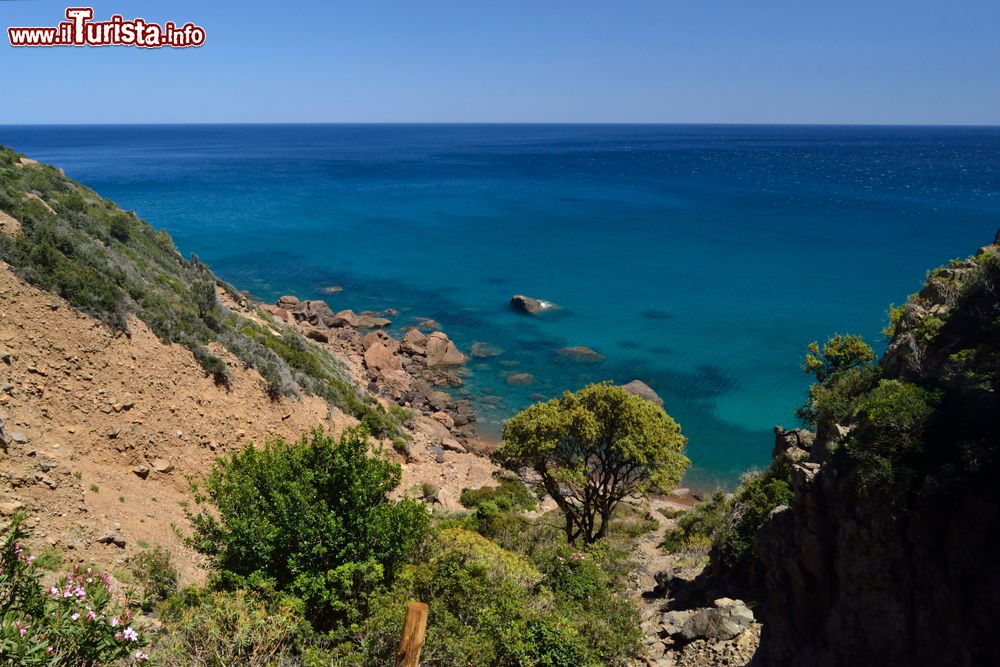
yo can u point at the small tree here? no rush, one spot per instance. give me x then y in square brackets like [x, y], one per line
[840, 353]
[593, 448]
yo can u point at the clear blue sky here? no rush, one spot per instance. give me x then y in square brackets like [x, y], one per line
[754, 61]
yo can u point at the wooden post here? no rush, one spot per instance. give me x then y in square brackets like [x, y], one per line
[412, 641]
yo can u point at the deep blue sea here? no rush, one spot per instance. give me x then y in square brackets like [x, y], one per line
[700, 259]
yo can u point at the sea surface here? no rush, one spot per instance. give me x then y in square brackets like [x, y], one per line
[699, 259]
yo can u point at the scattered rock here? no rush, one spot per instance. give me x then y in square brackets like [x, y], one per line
[113, 538]
[161, 466]
[530, 305]
[141, 471]
[453, 445]
[332, 289]
[317, 335]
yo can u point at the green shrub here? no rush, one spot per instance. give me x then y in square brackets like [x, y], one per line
[697, 526]
[312, 519]
[154, 576]
[49, 558]
[510, 495]
[889, 432]
[733, 540]
[223, 629]
[73, 623]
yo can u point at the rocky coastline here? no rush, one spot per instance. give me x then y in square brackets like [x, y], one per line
[413, 371]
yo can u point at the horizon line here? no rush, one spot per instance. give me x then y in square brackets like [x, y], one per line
[524, 123]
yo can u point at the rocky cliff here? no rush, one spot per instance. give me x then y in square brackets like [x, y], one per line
[889, 552]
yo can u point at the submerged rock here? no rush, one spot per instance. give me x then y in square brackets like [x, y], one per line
[580, 353]
[484, 350]
[520, 378]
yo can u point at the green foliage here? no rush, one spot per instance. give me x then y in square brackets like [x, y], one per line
[593, 448]
[50, 558]
[153, 575]
[840, 353]
[312, 519]
[697, 526]
[222, 629]
[889, 430]
[72, 623]
[757, 497]
[835, 400]
[488, 606]
[895, 315]
[510, 495]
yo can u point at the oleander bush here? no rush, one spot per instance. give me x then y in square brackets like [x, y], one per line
[73, 623]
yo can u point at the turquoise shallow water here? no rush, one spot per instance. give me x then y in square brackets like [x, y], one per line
[700, 259]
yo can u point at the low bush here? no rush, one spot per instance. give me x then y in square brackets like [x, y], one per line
[228, 628]
[697, 526]
[153, 576]
[509, 495]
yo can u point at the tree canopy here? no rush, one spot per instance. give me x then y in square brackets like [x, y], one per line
[593, 448]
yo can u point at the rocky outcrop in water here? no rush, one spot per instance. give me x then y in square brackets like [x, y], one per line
[530, 305]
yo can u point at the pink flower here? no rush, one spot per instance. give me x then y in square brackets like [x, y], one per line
[91, 615]
[141, 657]
[31, 559]
[50, 650]
[53, 591]
[115, 622]
[130, 634]
[75, 617]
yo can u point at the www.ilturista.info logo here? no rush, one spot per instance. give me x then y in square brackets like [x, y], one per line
[81, 30]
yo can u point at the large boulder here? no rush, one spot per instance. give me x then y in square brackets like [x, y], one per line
[530, 305]
[380, 337]
[380, 358]
[441, 351]
[726, 620]
[643, 390]
[414, 342]
[792, 446]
